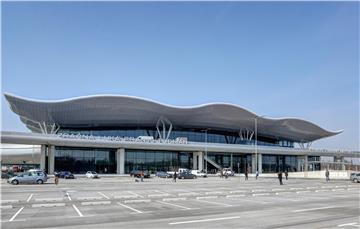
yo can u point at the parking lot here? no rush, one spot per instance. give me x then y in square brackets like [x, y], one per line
[114, 202]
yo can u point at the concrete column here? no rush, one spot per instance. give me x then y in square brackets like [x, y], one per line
[120, 161]
[43, 157]
[231, 161]
[260, 163]
[51, 159]
[253, 165]
[200, 159]
[195, 161]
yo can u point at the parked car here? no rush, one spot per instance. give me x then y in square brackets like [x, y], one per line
[91, 174]
[162, 174]
[66, 175]
[198, 173]
[355, 177]
[137, 173]
[29, 178]
[186, 175]
[7, 175]
[180, 170]
[228, 171]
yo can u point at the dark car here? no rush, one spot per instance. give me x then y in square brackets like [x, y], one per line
[7, 175]
[162, 174]
[66, 175]
[137, 173]
[186, 175]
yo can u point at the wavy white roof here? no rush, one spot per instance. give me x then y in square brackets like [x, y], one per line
[123, 111]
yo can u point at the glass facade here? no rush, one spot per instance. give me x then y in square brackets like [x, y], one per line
[275, 163]
[81, 160]
[193, 135]
[153, 161]
[240, 162]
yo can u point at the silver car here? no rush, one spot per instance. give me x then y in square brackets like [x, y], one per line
[34, 177]
[355, 177]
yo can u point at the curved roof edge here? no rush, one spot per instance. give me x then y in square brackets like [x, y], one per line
[11, 98]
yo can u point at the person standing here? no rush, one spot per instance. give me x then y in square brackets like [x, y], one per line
[246, 175]
[257, 175]
[56, 178]
[280, 177]
[286, 174]
[175, 176]
[142, 176]
[327, 175]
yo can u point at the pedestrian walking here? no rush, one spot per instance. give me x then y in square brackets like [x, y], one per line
[246, 175]
[175, 176]
[221, 173]
[280, 177]
[327, 175]
[257, 175]
[142, 176]
[286, 174]
[56, 178]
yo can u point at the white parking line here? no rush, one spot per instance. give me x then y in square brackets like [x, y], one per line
[28, 199]
[349, 224]
[78, 211]
[131, 192]
[175, 205]
[133, 209]
[16, 214]
[313, 209]
[210, 202]
[204, 220]
[68, 196]
[104, 195]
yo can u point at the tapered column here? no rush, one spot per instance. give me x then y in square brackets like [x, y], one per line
[43, 157]
[120, 161]
[198, 159]
[259, 163]
[51, 159]
[253, 163]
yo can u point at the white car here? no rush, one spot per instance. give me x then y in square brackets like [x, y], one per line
[91, 174]
[198, 173]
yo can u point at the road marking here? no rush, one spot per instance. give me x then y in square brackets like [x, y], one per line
[296, 188]
[278, 189]
[48, 205]
[298, 192]
[68, 196]
[16, 214]
[28, 199]
[210, 202]
[204, 220]
[348, 224]
[9, 201]
[313, 209]
[179, 206]
[137, 201]
[158, 195]
[125, 197]
[6, 207]
[174, 199]
[260, 194]
[90, 198]
[189, 194]
[338, 189]
[78, 211]
[48, 199]
[234, 196]
[104, 195]
[258, 190]
[214, 193]
[133, 209]
[96, 203]
[131, 192]
[206, 197]
[323, 190]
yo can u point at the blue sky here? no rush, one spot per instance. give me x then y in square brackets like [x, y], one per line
[277, 59]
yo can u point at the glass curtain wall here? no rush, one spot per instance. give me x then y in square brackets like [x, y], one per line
[240, 163]
[81, 160]
[153, 161]
[275, 163]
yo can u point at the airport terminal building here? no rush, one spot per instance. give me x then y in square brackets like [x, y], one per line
[116, 134]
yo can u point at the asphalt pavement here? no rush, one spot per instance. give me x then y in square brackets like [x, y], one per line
[120, 202]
